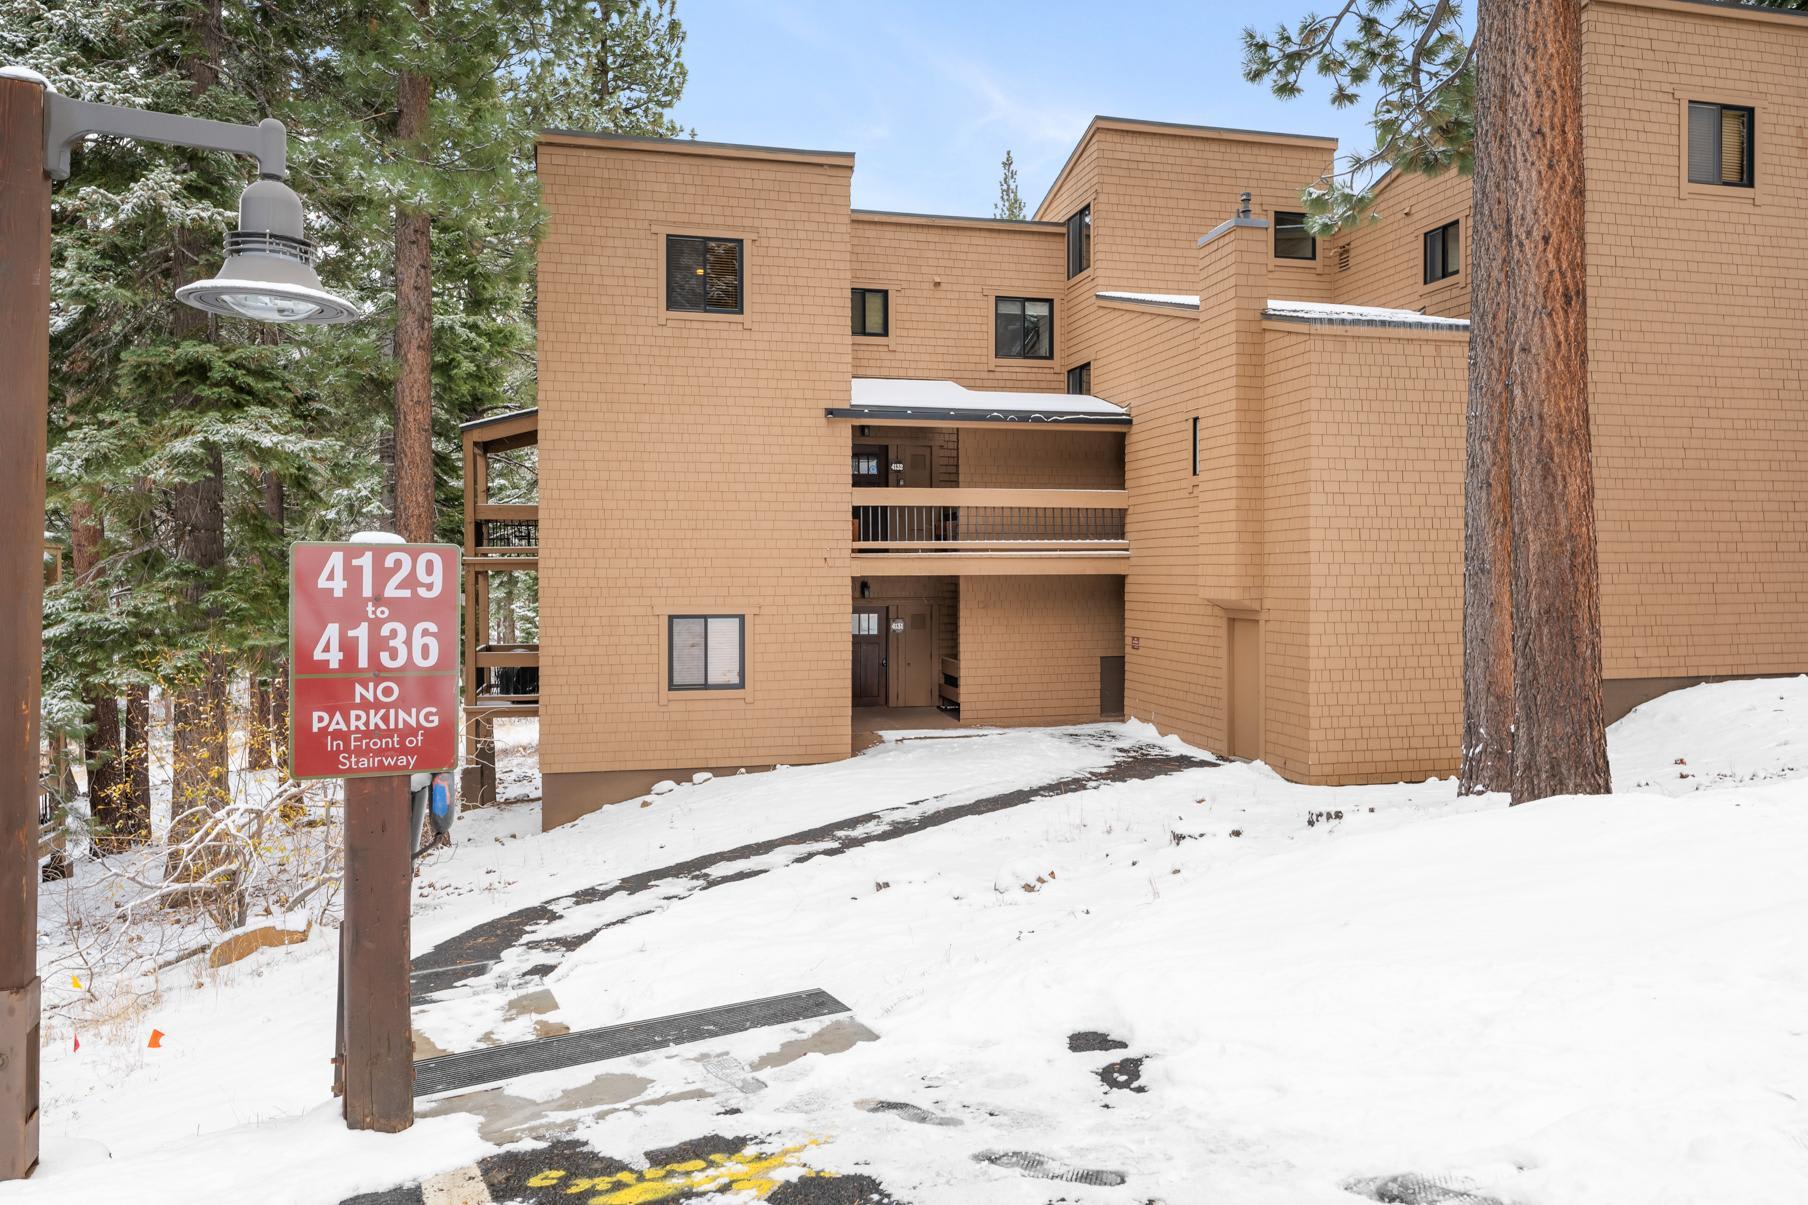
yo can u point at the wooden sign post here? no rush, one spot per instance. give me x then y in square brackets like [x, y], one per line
[373, 652]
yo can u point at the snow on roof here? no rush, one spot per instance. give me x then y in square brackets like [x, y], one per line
[1373, 315]
[1301, 311]
[1179, 301]
[892, 396]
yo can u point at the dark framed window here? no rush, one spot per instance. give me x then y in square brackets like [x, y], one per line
[1195, 442]
[1079, 378]
[1025, 328]
[703, 275]
[706, 652]
[872, 312]
[1720, 144]
[1079, 242]
[1291, 238]
[1443, 252]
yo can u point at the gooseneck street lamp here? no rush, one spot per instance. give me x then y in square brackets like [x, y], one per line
[268, 276]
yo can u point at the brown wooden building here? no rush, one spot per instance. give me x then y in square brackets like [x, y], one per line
[806, 470]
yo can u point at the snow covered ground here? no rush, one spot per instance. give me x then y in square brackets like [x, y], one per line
[1582, 1000]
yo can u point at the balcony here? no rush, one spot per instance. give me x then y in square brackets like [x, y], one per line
[911, 530]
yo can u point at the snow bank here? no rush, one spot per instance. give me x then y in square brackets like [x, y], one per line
[1577, 1001]
[1720, 733]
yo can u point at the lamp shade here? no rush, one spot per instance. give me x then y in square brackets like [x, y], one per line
[269, 272]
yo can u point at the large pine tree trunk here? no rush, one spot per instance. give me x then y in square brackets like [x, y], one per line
[414, 332]
[1487, 499]
[1559, 741]
[200, 763]
[105, 754]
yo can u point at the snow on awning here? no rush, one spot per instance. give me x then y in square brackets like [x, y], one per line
[1319, 313]
[1172, 301]
[945, 401]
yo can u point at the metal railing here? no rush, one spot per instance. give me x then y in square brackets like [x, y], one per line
[508, 533]
[996, 527]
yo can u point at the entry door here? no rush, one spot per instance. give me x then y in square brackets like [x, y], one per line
[869, 656]
[913, 656]
[913, 465]
[1245, 735]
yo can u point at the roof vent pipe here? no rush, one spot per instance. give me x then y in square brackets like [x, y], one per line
[1243, 205]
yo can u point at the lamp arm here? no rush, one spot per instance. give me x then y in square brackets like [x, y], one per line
[66, 121]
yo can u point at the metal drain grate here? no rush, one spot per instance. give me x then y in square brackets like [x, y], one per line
[491, 1064]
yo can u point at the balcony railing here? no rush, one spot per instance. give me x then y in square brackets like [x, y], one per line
[988, 520]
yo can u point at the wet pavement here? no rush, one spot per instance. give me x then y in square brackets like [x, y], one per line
[472, 954]
[698, 1168]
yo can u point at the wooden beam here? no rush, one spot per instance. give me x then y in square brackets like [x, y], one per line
[930, 496]
[999, 564]
[999, 546]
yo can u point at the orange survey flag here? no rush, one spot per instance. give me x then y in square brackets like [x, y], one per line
[156, 1042]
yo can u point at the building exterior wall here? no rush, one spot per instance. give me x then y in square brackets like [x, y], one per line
[1383, 490]
[1698, 364]
[1173, 673]
[685, 463]
[943, 275]
[1012, 457]
[1386, 253]
[1030, 647]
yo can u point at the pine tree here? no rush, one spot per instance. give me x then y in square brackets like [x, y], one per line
[1010, 202]
[188, 452]
[1506, 107]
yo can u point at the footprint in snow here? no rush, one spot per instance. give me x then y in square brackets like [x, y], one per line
[907, 1112]
[1044, 1168]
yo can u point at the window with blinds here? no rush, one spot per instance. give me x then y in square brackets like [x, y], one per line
[702, 275]
[872, 311]
[1720, 144]
[706, 652]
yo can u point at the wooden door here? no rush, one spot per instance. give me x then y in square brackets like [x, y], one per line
[913, 465]
[913, 656]
[869, 656]
[1244, 737]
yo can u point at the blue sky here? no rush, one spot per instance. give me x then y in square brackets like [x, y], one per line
[930, 94]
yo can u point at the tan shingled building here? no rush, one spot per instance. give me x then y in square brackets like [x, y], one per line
[805, 471]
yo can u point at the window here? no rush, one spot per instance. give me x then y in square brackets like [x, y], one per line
[872, 312]
[1720, 144]
[866, 623]
[1291, 239]
[1026, 328]
[865, 465]
[703, 275]
[1443, 253]
[1079, 378]
[1079, 242]
[706, 652]
[1195, 445]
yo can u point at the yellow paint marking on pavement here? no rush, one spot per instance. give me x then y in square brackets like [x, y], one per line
[747, 1171]
[461, 1186]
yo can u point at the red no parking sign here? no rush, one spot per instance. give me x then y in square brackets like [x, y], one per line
[373, 659]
